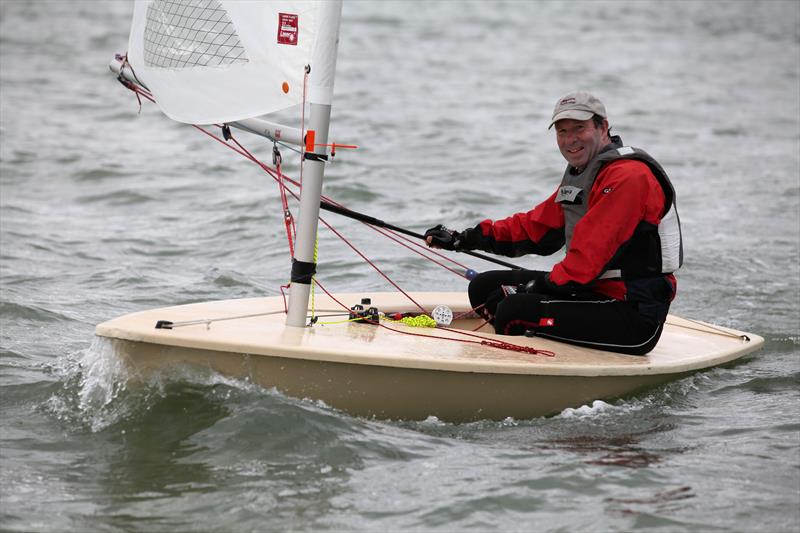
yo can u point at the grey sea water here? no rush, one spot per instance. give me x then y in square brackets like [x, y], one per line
[106, 210]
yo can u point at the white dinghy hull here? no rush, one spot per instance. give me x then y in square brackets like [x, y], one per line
[402, 372]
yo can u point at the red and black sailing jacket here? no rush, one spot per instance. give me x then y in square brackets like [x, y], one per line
[617, 219]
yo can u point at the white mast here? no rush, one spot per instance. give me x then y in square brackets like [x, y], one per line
[320, 96]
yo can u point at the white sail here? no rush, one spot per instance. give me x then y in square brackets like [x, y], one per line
[214, 61]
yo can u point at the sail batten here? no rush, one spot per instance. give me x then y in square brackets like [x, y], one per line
[214, 61]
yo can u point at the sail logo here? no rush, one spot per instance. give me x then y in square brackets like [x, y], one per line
[287, 28]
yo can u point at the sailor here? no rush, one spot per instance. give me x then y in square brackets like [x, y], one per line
[615, 213]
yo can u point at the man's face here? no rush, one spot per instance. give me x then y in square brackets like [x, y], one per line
[579, 140]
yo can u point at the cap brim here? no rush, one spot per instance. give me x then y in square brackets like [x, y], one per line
[575, 114]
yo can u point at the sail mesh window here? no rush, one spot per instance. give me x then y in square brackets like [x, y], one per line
[190, 33]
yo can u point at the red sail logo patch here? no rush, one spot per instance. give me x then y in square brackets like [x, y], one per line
[287, 28]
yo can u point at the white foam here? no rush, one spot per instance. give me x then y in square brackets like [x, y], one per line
[597, 407]
[509, 421]
[101, 389]
[432, 420]
[103, 376]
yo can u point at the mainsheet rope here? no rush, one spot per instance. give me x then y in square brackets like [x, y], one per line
[251, 157]
[241, 150]
[248, 155]
[280, 177]
[389, 234]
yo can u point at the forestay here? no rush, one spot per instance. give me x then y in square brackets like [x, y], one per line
[217, 61]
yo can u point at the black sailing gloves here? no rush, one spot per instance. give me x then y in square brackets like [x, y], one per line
[447, 239]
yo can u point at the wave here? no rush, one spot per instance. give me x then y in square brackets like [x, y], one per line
[15, 311]
[765, 384]
[117, 198]
[99, 174]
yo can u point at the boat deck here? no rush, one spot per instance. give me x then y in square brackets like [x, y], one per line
[684, 346]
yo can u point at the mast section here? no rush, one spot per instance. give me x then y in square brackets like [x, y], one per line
[320, 96]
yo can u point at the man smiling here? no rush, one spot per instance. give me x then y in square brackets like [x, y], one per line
[578, 141]
[615, 212]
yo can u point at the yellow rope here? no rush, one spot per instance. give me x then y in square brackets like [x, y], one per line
[316, 246]
[421, 321]
[339, 321]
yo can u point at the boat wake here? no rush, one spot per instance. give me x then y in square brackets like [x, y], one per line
[100, 391]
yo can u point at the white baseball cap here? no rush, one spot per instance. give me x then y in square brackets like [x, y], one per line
[578, 105]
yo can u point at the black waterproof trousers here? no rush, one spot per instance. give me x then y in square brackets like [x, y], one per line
[591, 320]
